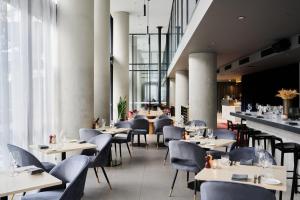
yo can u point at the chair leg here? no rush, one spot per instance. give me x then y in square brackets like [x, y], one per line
[116, 150]
[146, 140]
[166, 155]
[187, 176]
[173, 183]
[120, 150]
[157, 140]
[128, 149]
[107, 180]
[282, 159]
[95, 170]
[195, 188]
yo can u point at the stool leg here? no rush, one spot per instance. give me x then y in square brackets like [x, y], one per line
[253, 141]
[265, 143]
[282, 158]
[294, 184]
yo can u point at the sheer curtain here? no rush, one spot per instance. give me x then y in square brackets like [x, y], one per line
[28, 73]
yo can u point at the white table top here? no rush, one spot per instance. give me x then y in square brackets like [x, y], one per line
[65, 147]
[113, 130]
[210, 143]
[24, 181]
[224, 173]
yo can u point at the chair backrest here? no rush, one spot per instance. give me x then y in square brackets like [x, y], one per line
[88, 133]
[163, 116]
[160, 123]
[72, 172]
[196, 122]
[215, 190]
[249, 153]
[103, 143]
[186, 152]
[172, 133]
[140, 123]
[24, 157]
[140, 117]
[123, 124]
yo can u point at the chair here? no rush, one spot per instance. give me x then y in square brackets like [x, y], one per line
[140, 126]
[171, 133]
[159, 125]
[215, 190]
[72, 172]
[248, 153]
[231, 126]
[196, 122]
[187, 157]
[25, 158]
[102, 157]
[163, 116]
[223, 134]
[122, 138]
[88, 133]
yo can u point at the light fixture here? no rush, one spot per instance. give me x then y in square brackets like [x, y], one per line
[241, 18]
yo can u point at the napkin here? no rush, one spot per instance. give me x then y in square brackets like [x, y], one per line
[239, 177]
[246, 162]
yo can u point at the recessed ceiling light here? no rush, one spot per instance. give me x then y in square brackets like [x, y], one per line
[241, 18]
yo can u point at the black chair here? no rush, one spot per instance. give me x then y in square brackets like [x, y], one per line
[25, 158]
[122, 138]
[140, 126]
[285, 148]
[159, 125]
[72, 172]
[187, 157]
[171, 133]
[257, 135]
[216, 190]
[231, 126]
[102, 157]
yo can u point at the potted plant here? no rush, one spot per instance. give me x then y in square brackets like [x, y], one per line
[122, 107]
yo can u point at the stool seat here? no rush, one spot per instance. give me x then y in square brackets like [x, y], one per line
[287, 147]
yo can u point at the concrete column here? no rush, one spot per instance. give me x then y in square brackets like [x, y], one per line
[75, 26]
[181, 92]
[102, 59]
[172, 92]
[121, 59]
[203, 88]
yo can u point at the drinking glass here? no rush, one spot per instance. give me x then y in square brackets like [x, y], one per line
[103, 123]
[12, 165]
[210, 133]
[112, 123]
[249, 106]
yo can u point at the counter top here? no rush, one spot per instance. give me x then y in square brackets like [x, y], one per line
[267, 120]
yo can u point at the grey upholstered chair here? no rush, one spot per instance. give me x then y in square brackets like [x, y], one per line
[25, 158]
[213, 190]
[187, 157]
[223, 134]
[171, 133]
[72, 172]
[163, 116]
[140, 126]
[159, 125]
[122, 138]
[88, 133]
[140, 117]
[102, 157]
[248, 153]
[196, 122]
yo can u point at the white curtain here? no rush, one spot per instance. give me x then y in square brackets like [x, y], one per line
[28, 78]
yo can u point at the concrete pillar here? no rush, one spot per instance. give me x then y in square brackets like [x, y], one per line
[181, 92]
[75, 26]
[172, 92]
[203, 88]
[102, 59]
[121, 59]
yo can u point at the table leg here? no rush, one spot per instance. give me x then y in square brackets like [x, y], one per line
[63, 155]
[4, 198]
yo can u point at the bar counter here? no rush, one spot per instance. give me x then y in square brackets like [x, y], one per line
[277, 127]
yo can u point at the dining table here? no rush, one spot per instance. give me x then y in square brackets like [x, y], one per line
[70, 145]
[20, 180]
[209, 143]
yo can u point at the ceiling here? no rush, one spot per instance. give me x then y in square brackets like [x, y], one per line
[220, 30]
[159, 14]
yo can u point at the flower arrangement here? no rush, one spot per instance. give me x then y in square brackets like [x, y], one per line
[287, 94]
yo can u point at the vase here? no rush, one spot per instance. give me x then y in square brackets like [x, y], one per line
[286, 106]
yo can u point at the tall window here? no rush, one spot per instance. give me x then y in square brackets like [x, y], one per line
[27, 72]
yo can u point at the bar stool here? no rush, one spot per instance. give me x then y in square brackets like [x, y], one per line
[257, 135]
[288, 147]
[231, 126]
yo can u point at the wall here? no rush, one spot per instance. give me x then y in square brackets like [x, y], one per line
[261, 87]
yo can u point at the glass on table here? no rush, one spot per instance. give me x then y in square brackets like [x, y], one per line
[210, 133]
[103, 123]
[112, 124]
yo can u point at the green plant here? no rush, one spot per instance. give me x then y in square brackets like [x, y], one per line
[122, 106]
